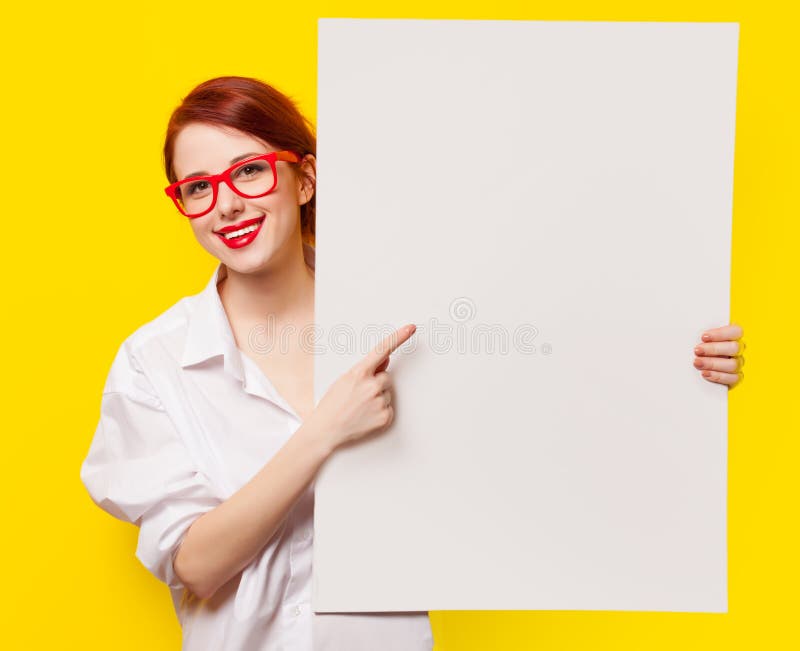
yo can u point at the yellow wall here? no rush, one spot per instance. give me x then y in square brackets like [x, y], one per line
[93, 248]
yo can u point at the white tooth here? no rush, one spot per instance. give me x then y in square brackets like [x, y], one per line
[241, 231]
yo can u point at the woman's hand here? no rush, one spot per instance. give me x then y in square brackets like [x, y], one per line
[359, 401]
[720, 358]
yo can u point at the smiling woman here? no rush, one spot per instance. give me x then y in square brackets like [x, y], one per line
[224, 201]
[210, 446]
[253, 109]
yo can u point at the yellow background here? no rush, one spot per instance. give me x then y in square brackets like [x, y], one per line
[93, 249]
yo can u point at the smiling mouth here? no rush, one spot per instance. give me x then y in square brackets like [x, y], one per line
[240, 232]
[241, 236]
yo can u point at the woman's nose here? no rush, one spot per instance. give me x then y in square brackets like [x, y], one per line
[228, 202]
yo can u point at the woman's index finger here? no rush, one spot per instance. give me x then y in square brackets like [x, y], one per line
[389, 344]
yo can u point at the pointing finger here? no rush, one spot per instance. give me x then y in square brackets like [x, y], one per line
[379, 355]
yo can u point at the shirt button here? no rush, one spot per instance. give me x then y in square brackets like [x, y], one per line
[297, 611]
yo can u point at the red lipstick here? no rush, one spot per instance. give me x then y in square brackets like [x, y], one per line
[241, 240]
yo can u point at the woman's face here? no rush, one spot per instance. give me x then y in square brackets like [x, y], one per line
[202, 149]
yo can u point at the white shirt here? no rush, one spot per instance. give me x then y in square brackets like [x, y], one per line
[186, 420]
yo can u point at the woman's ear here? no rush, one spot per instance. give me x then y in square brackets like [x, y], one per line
[307, 178]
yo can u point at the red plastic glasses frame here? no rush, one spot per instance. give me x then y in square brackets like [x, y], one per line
[216, 179]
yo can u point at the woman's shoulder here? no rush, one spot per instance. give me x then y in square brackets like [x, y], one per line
[153, 344]
[172, 320]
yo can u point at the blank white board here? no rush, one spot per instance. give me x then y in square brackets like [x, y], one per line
[554, 200]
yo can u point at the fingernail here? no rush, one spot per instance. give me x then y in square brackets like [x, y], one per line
[706, 337]
[698, 350]
[698, 363]
[706, 373]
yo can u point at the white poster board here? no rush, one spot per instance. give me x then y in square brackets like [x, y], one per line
[554, 200]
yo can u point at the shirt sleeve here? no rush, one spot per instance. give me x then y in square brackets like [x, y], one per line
[139, 471]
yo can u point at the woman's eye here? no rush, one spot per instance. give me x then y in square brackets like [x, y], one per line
[249, 170]
[196, 187]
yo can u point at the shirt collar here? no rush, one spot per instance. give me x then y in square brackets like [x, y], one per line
[209, 332]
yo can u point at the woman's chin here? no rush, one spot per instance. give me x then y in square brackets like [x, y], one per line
[247, 260]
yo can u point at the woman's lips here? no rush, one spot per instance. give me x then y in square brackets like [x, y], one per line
[242, 240]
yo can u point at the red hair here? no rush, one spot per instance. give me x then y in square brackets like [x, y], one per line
[255, 108]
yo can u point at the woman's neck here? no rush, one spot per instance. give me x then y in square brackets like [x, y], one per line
[285, 291]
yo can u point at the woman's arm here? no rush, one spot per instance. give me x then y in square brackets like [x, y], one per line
[223, 541]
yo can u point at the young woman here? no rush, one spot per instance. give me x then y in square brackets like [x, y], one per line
[211, 448]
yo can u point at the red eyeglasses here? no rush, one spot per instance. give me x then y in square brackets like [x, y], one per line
[251, 178]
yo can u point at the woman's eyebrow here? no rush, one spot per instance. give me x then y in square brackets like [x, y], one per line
[233, 160]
